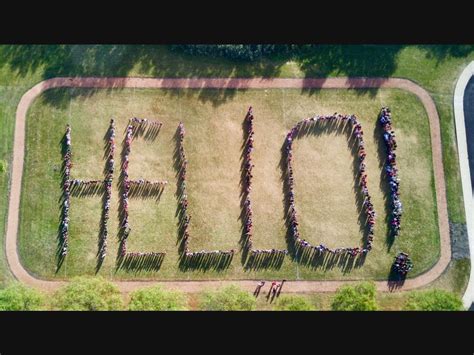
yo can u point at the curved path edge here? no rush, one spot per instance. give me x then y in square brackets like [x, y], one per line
[225, 83]
[465, 171]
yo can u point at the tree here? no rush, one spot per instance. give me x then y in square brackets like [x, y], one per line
[88, 294]
[230, 298]
[360, 297]
[294, 303]
[243, 52]
[18, 297]
[433, 300]
[157, 299]
[3, 166]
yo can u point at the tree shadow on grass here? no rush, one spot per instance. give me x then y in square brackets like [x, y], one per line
[443, 52]
[351, 61]
[315, 61]
[121, 61]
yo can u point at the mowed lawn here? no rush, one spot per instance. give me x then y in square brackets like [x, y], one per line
[324, 179]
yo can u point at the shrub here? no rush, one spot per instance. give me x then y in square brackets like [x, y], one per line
[294, 303]
[3, 166]
[157, 299]
[230, 298]
[88, 294]
[433, 300]
[18, 297]
[244, 52]
[355, 298]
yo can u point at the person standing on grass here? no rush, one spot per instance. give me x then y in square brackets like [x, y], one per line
[279, 289]
[275, 289]
[259, 287]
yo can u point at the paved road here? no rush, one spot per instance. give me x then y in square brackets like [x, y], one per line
[469, 121]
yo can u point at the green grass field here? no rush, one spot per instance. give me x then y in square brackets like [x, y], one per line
[435, 68]
[323, 172]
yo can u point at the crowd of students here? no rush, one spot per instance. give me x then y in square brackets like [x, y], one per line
[269, 251]
[66, 193]
[248, 166]
[183, 202]
[144, 182]
[143, 122]
[134, 124]
[125, 226]
[108, 190]
[402, 264]
[368, 206]
[136, 254]
[391, 169]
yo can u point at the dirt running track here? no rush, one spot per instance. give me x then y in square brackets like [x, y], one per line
[194, 286]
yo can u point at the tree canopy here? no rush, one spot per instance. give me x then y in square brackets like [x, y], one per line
[88, 294]
[18, 297]
[157, 299]
[360, 297]
[294, 303]
[230, 298]
[433, 300]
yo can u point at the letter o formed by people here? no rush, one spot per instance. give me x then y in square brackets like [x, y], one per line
[300, 244]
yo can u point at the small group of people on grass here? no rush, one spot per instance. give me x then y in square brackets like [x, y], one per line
[269, 251]
[142, 122]
[402, 264]
[391, 169]
[368, 206]
[275, 288]
[144, 182]
[210, 252]
[84, 183]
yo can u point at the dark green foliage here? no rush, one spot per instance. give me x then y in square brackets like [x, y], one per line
[230, 298]
[360, 297]
[433, 300]
[294, 303]
[17, 297]
[157, 299]
[88, 294]
[245, 52]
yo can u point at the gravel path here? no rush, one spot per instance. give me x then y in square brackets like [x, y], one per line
[195, 286]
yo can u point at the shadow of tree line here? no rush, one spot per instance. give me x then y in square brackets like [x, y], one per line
[160, 61]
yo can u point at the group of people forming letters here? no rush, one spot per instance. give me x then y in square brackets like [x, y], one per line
[134, 125]
[67, 164]
[368, 206]
[247, 186]
[183, 204]
[392, 170]
[137, 124]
